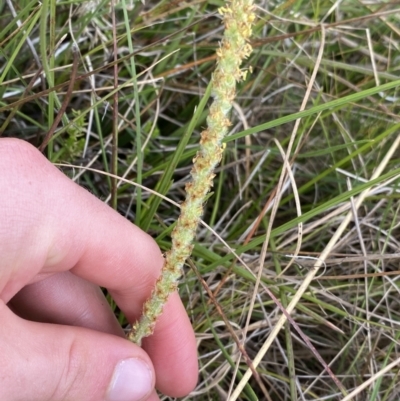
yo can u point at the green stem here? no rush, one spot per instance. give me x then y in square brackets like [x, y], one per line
[238, 17]
[138, 144]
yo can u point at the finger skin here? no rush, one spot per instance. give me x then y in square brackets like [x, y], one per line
[45, 362]
[64, 298]
[93, 242]
[163, 357]
[153, 397]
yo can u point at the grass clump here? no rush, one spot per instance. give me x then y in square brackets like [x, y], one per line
[307, 151]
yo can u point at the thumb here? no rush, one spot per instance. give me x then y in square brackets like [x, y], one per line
[52, 362]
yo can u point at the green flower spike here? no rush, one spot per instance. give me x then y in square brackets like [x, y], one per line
[238, 17]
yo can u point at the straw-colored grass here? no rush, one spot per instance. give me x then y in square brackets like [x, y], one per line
[304, 214]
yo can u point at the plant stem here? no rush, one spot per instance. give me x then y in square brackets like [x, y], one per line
[238, 17]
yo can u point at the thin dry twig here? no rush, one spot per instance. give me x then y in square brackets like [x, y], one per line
[375, 377]
[230, 329]
[313, 272]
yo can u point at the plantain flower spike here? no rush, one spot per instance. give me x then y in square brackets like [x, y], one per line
[238, 17]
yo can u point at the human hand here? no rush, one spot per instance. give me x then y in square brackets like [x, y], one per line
[59, 339]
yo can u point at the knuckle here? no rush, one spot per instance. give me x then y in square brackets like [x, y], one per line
[13, 150]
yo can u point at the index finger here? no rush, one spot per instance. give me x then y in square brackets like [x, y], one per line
[70, 229]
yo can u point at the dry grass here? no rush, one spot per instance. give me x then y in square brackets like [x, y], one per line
[305, 210]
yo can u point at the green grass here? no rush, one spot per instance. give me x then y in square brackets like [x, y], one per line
[350, 309]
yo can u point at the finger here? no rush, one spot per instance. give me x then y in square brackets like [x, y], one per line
[66, 228]
[49, 362]
[153, 397]
[181, 343]
[64, 298]
[92, 241]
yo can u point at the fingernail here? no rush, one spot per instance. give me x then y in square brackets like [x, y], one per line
[131, 381]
